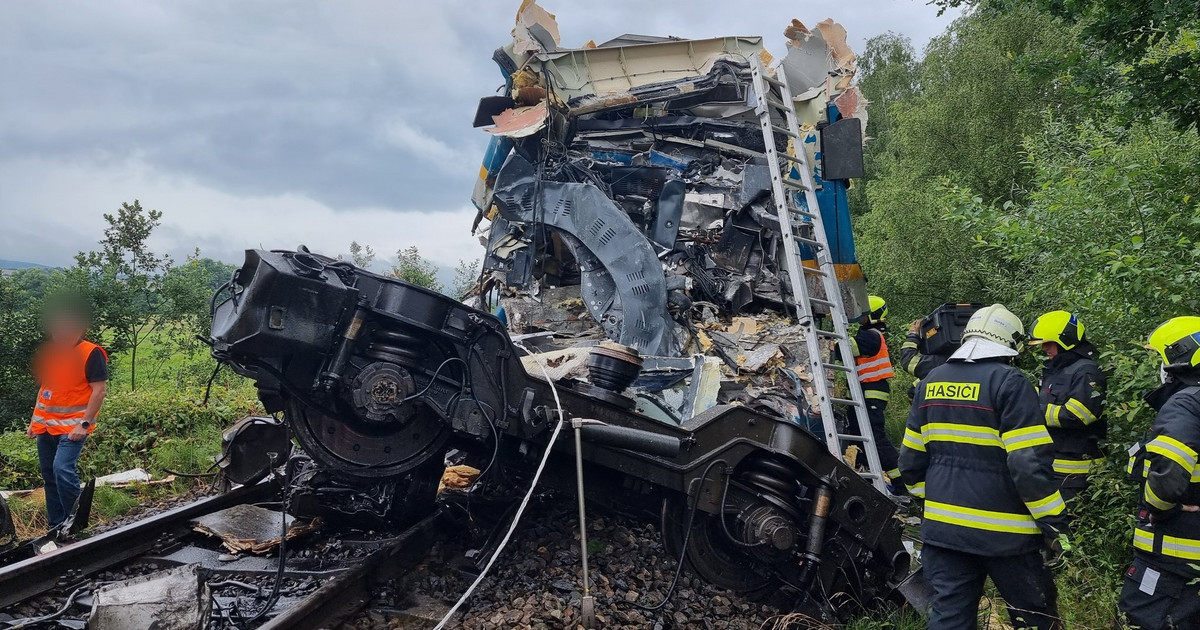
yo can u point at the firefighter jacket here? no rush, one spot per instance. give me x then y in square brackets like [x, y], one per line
[64, 389]
[976, 449]
[872, 362]
[917, 364]
[1071, 393]
[1171, 478]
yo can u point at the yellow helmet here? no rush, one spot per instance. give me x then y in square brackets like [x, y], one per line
[1178, 342]
[879, 312]
[1060, 327]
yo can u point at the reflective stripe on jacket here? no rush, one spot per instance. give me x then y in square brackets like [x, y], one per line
[876, 366]
[64, 389]
[1171, 472]
[976, 449]
[1071, 393]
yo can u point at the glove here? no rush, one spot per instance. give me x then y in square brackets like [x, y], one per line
[1056, 545]
[915, 326]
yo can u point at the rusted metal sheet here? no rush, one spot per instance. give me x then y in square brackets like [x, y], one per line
[251, 529]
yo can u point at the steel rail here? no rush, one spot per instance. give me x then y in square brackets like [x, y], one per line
[71, 563]
[350, 592]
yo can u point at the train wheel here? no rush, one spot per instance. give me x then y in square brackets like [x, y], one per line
[710, 553]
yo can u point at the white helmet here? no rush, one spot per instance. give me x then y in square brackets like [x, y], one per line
[993, 331]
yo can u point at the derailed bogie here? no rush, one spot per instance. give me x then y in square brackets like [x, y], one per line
[378, 394]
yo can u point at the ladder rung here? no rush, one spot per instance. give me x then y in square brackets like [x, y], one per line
[850, 437]
[837, 366]
[813, 272]
[774, 102]
[790, 158]
[804, 213]
[828, 334]
[845, 401]
[733, 148]
[784, 131]
[821, 301]
[771, 80]
[811, 242]
[870, 475]
[789, 182]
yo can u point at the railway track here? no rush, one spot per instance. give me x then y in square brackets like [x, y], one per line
[64, 579]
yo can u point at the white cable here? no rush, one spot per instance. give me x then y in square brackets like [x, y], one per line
[524, 502]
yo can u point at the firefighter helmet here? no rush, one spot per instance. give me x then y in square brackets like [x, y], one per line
[1178, 342]
[995, 323]
[1060, 327]
[879, 311]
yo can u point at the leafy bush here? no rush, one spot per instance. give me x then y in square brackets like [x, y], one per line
[146, 428]
[163, 428]
[18, 461]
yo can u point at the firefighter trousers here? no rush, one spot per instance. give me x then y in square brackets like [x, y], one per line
[1156, 598]
[1024, 581]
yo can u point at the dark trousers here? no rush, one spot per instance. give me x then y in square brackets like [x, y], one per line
[1024, 581]
[888, 455]
[1160, 600]
[58, 456]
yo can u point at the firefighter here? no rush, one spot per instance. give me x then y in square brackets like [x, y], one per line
[1160, 587]
[72, 376]
[976, 449]
[915, 363]
[1071, 393]
[874, 368]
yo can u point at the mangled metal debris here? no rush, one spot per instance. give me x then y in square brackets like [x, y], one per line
[634, 288]
[631, 200]
[251, 529]
[173, 599]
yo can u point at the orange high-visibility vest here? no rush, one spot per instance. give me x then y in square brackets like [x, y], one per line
[65, 390]
[876, 367]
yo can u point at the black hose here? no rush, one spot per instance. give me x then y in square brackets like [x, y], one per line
[687, 536]
[721, 516]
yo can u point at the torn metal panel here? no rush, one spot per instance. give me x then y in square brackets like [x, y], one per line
[520, 122]
[251, 529]
[174, 599]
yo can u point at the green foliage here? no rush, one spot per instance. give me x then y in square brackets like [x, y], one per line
[126, 282]
[1111, 230]
[18, 460]
[957, 115]
[112, 502]
[361, 255]
[466, 276]
[412, 267]
[161, 428]
[20, 333]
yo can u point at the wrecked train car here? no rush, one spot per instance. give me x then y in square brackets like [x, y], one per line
[384, 384]
[631, 175]
[634, 267]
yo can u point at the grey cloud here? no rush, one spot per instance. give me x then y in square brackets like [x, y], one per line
[359, 105]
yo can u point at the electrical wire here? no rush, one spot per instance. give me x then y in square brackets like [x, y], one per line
[537, 475]
[687, 536]
[276, 589]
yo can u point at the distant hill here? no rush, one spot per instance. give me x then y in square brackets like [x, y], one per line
[18, 264]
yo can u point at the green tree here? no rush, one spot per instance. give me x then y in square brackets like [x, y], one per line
[961, 120]
[361, 255]
[127, 282]
[887, 74]
[412, 267]
[20, 333]
[1145, 53]
[466, 276]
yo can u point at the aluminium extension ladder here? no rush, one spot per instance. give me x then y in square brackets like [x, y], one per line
[804, 225]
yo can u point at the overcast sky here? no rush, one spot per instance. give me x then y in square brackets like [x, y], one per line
[275, 123]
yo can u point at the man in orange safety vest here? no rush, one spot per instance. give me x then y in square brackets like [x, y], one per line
[72, 376]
